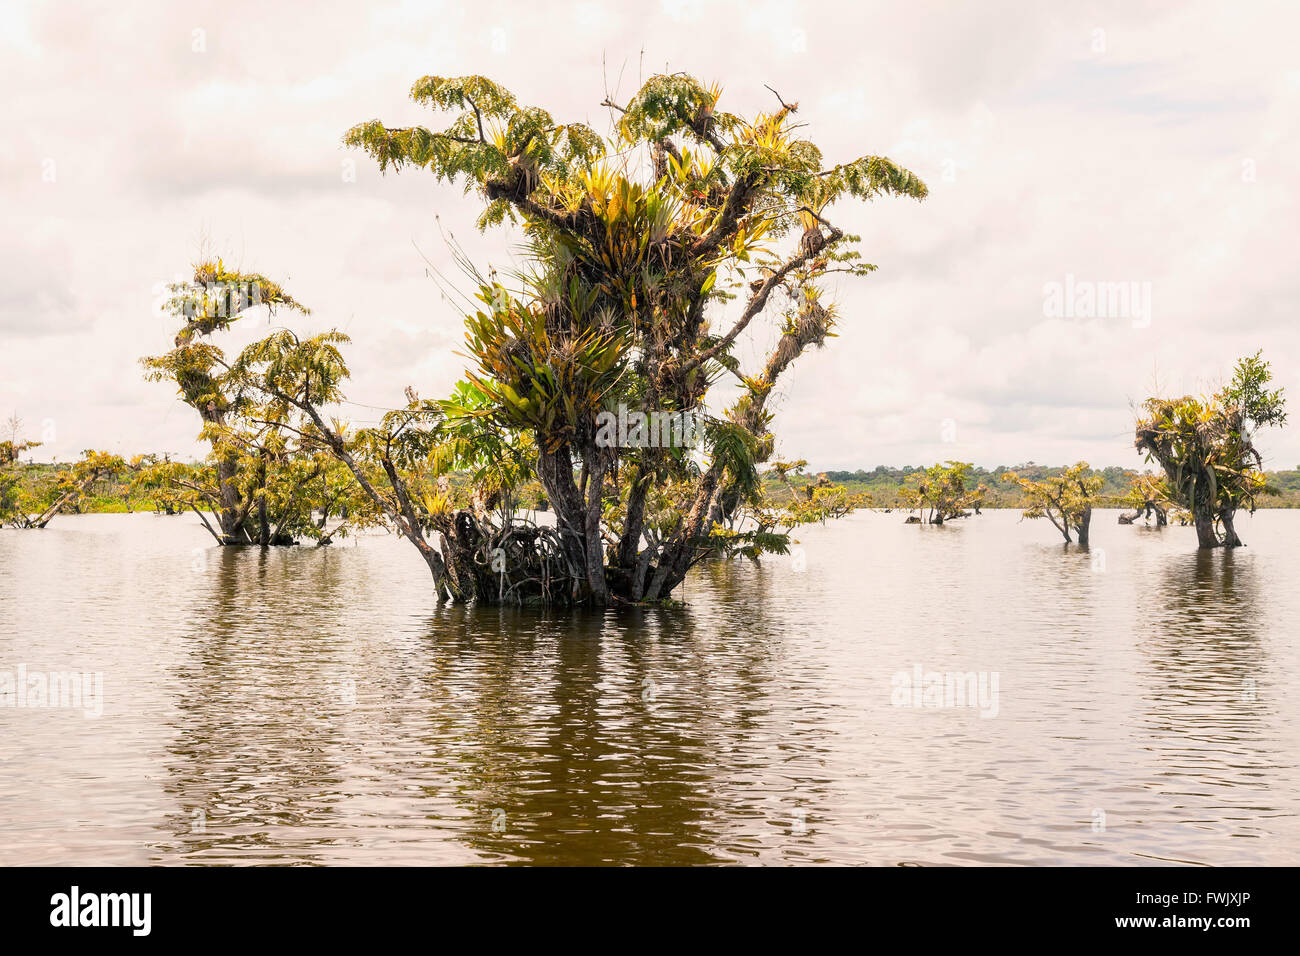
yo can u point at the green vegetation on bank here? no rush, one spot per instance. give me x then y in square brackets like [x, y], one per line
[39, 480]
[886, 485]
[882, 487]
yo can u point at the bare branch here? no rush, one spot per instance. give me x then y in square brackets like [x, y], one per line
[792, 107]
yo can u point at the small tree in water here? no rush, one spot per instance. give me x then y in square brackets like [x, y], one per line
[21, 508]
[1207, 451]
[1146, 496]
[1066, 499]
[940, 492]
[267, 471]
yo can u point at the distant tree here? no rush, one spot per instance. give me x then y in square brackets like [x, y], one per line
[14, 445]
[1206, 448]
[1065, 499]
[940, 492]
[267, 466]
[1146, 495]
[814, 500]
[21, 509]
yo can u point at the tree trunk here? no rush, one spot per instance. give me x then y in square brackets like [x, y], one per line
[1085, 520]
[1205, 536]
[595, 549]
[231, 526]
[676, 561]
[555, 470]
[263, 521]
[231, 515]
[634, 522]
[1230, 538]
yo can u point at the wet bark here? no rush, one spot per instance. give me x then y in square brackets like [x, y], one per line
[555, 471]
[595, 550]
[263, 520]
[634, 522]
[1230, 537]
[1205, 536]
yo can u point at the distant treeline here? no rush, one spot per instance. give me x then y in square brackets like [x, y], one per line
[884, 484]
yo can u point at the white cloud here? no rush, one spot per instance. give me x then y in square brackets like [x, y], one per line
[1044, 156]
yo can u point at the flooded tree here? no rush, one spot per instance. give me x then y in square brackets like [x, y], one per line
[762, 525]
[266, 471]
[940, 493]
[1146, 496]
[21, 507]
[1206, 449]
[812, 499]
[402, 470]
[649, 256]
[14, 501]
[1066, 500]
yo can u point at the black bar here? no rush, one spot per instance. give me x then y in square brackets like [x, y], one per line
[942, 905]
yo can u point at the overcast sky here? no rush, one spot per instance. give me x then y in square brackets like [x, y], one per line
[1156, 144]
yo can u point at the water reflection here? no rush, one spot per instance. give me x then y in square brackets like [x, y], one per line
[532, 736]
[260, 712]
[1206, 687]
[303, 706]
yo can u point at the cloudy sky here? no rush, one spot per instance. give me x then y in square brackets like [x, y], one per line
[1155, 144]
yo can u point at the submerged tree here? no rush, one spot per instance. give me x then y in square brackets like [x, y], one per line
[22, 508]
[940, 493]
[266, 470]
[1207, 451]
[814, 499]
[764, 524]
[1066, 499]
[634, 246]
[402, 469]
[1146, 496]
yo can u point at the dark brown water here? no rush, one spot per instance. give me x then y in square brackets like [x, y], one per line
[317, 706]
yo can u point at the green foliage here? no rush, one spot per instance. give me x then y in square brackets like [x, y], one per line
[1247, 393]
[1066, 499]
[532, 379]
[943, 491]
[269, 469]
[632, 246]
[27, 506]
[1206, 449]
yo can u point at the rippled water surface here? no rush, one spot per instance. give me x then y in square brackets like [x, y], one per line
[317, 706]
